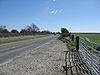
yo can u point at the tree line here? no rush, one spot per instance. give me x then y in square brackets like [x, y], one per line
[28, 30]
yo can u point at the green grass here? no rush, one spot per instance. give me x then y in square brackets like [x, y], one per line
[20, 38]
[69, 43]
[92, 37]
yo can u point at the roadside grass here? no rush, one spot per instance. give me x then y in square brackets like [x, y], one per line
[70, 45]
[20, 38]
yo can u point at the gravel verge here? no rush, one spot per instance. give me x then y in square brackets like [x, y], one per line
[47, 59]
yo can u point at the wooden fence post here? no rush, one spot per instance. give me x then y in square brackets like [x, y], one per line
[72, 37]
[99, 66]
[77, 43]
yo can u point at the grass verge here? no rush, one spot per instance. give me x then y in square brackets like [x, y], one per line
[20, 38]
[69, 43]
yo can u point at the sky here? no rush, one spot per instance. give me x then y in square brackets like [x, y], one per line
[52, 15]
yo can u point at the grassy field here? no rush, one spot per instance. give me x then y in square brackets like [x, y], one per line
[20, 38]
[92, 37]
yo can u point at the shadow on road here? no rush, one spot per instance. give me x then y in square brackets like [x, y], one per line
[74, 65]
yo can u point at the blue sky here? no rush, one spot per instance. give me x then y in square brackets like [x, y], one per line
[52, 15]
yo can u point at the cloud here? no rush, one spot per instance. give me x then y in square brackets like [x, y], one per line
[56, 11]
[53, 0]
[52, 12]
[60, 10]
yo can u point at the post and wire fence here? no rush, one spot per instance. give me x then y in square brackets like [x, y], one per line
[89, 54]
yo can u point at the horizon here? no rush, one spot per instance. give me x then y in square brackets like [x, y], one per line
[77, 16]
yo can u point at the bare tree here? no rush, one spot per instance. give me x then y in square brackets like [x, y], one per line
[33, 28]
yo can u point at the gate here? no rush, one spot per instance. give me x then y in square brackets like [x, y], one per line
[90, 55]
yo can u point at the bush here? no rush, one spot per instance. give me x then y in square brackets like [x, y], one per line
[4, 31]
[65, 32]
[14, 31]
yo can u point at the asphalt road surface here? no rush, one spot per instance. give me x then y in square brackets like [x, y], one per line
[10, 50]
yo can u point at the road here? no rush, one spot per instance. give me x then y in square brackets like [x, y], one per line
[8, 51]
